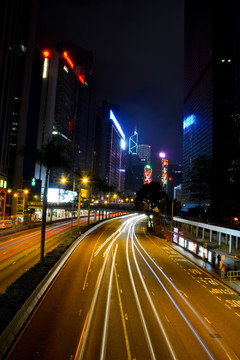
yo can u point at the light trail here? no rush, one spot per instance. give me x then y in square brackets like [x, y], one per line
[82, 343]
[229, 356]
[151, 302]
[149, 343]
[123, 318]
[115, 235]
[107, 311]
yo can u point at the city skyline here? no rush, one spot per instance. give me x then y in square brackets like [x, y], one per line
[138, 61]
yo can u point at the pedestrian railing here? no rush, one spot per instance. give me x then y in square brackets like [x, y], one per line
[233, 274]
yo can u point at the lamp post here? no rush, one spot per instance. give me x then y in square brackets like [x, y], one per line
[25, 193]
[9, 191]
[84, 181]
[3, 192]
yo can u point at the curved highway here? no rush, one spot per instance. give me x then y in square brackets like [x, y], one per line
[126, 295]
[21, 250]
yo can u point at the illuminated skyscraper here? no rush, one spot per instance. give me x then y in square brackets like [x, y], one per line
[144, 152]
[110, 148]
[66, 113]
[17, 35]
[211, 125]
[133, 143]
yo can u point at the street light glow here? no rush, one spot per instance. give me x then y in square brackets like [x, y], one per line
[63, 180]
[85, 180]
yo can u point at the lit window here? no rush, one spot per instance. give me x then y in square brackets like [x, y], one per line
[229, 60]
[65, 68]
[223, 60]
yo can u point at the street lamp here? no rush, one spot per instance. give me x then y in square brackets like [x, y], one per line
[25, 193]
[63, 180]
[82, 181]
[3, 192]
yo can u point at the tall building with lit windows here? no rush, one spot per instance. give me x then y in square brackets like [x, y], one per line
[110, 147]
[17, 35]
[133, 143]
[144, 152]
[67, 105]
[211, 124]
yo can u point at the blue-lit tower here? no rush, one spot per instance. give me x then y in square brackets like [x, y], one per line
[211, 125]
[110, 154]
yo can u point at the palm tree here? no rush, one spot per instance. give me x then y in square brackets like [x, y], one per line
[52, 156]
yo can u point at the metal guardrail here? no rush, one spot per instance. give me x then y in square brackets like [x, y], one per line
[233, 274]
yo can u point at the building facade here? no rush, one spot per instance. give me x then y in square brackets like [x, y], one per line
[211, 125]
[144, 152]
[17, 28]
[67, 108]
[110, 148]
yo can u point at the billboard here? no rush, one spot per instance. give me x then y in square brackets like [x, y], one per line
[147, 179]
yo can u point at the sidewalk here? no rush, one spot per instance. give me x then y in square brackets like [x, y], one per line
[230, 259]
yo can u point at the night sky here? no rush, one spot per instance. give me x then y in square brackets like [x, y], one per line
[138, 60]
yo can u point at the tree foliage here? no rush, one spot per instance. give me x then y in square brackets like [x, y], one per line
[151, 196]
[199, 179]
[52, 156]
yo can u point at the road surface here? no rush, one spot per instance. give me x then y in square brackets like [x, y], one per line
[124, 294]
[21, 250]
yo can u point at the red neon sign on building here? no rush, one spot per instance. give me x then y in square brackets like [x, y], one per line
[66, 56]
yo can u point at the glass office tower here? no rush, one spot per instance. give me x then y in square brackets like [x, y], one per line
[211, 124]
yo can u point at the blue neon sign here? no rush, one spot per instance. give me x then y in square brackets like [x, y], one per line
[116, 123]
[189, 121]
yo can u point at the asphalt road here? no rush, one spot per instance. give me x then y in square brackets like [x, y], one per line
[126, 295]
[21, 250]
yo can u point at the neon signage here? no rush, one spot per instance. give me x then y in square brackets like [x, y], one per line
[116, 123]
[66, 56]
[147, 174]
[46, 54]
[164, 172]
[190, 120]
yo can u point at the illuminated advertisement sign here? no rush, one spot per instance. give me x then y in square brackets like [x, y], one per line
[192, 247]
[164, 172]
[55, 195]
[181, 241]
[147, 174]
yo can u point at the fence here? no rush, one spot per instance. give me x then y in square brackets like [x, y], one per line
[233, 274]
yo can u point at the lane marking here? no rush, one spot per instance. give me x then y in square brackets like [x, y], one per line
[167, 318]
[207, 320]
[107, 311]
[170, 348]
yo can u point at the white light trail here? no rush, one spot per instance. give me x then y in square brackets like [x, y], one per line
[184, 299]
[138, 304]
[151, 302]
[106, 320]
[80, 351]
